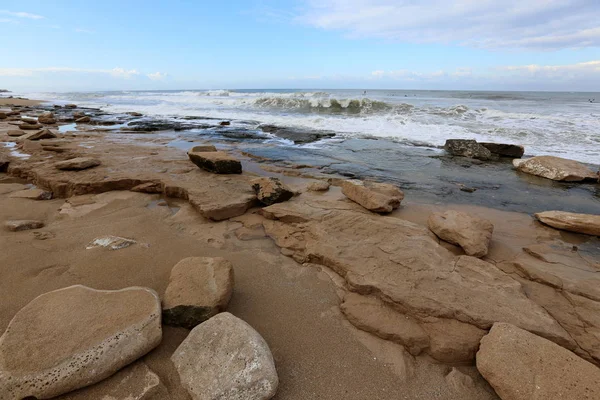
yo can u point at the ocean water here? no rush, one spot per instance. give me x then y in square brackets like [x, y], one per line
[546, 123]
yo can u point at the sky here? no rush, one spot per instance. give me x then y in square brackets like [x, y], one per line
[66, 45]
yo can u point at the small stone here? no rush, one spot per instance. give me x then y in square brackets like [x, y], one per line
[77, 164]
[23, 225]
[47, 118]
[376, 197]
[459, 382]
[32, 194]
[28, 126]
[225, 123]
[135, 114]
[217, 162]
[270, 191]
[111, 242]
[70, 106]
[199, 288]
[83, 120]
[225, 358]
[43, 235]
[15, 133]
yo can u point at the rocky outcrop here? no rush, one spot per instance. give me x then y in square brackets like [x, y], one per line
[376, 197]
[556, 168]
[471, 233]
[504, 150]
[467, 148]
[217, 162]
[23, 225]
[522, 366]
[199, 288]
[80, 337]
[271, 190]
[77, 164]
[47, 118]
[588, 224]
[225, 358]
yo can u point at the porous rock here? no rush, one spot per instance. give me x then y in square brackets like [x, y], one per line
[376, 197]
[471, 233]
[271, 190]
[504, 150]
[467, 148]
[555, 168]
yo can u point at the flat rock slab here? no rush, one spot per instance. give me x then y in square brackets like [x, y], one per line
[15, 133]
[23, 225]
[203, 148]
[74, 337]
[556, 168]
[39, 135]
[199, 288]
[522, 366]
[218, 162]
[225, 358]
[32, 194]
[471, 233]
[77, 164]
[271, 190]
[588, 224]
[29, 126]
[376, 197]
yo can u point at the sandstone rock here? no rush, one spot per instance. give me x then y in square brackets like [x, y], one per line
[32, 194]
[467, 148]
[23, 225]
[588, 224]
[29, 120]
[556, 168]
[70, 106]
[74, 337]
[199, 288]
[203, 148]
[218, 162]
[376, 197]
[39, 135]
[15, 133]
[318, 186]
[270, 191]
[225, 358]
[83, 120]
[504, 150]
[47, 118]
[148, 187]
[111, 242]
[28, 126]
[77, 164]
[78, 114]
[471, 233]
[452, 341]
[522, 366]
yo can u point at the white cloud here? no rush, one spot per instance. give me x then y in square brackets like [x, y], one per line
[123, 73]
[539, 24]
[157, 76]
[21, 14]
[115, 72]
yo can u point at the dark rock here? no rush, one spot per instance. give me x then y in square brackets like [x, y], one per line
[162, 125]
[218, 162]
[242, 134]
[47, 118]
[467, 148]
[29, 126]
[83, 120]
[225, 123]
[504, 150]
[270, 191]
[203, 148]
[70, 106]
[298, 136]
[3, 163]
[135, 114]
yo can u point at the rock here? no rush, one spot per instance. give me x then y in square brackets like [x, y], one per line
[318, 186]
[78, 114]
[225, 123]
[162, 125]
[203, 148]
[39, 135]
[29, 120]
[376, 197]
[225, 358]
[47, 118]
[135, 114]
[471, 233]
[504, 150]
[588, 224]
[83, 120]
[522, 366]
[459, 382]
[111, 242]
[298, 136]
[70, 106]
[218, 162]
[199, 288]
[555, 168]
[74, 337]
[270, 191]
[452, 341]
[467, 148]
[148, 187]
[4, 163]
[32, 194]
[27, 126]
[15, 133]
[77, 164]
[3, 115]
[23, 225]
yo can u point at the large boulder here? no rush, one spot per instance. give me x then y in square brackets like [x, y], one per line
[271, 190]
[555, 168]
[74, 337]
[225, 358]
[522, 366]
[580, 223]
[376, 197]
[77, 164]
[504, 150]
[471, 233]
[199, 288]
[218, 162]
[47, 118]
[467, 148]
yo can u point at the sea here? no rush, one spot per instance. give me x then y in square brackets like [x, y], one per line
[564, 124]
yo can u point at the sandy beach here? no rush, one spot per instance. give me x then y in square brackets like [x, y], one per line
[319, 276]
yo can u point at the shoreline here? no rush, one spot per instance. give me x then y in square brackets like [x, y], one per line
[290, 295]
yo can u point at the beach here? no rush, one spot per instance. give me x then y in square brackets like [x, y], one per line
[318, 275]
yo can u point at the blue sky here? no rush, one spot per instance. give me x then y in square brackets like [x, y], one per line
[427, 44]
